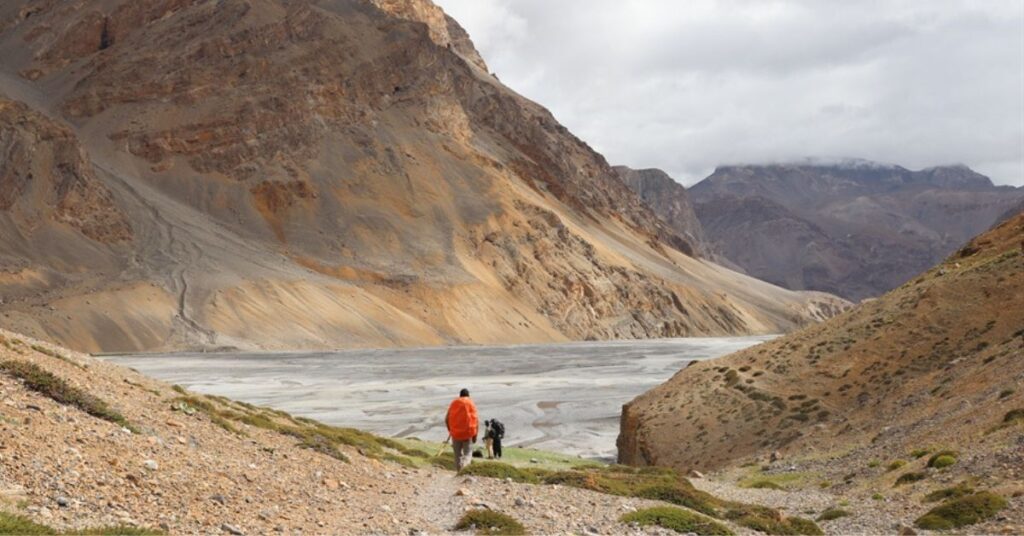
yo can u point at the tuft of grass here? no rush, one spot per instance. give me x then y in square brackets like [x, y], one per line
[919, 453]
[676, 519]
[179, 389]
[774, 523]
[943, 458]
[485, 521]
[874, 463]
[955, 492]
[46, 384]
[877, 497]
[962, 512]
[913, 476]
[895, 464]
[1013, 416]
[764, 484]
[15, 524]
[833, 513]
[56, 355]
[1006, 393]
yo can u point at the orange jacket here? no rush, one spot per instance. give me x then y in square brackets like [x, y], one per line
[461, 420]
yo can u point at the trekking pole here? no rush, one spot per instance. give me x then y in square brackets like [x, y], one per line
[440, 450]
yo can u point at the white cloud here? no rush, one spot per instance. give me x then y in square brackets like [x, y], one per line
[686, 86]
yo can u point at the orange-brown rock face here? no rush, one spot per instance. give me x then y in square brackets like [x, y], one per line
[355, 155]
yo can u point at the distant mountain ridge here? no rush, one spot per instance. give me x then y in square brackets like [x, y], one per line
[853, 228]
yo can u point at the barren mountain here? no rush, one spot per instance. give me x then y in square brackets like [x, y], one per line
[855, 228]
[275, 174]
[936, 364]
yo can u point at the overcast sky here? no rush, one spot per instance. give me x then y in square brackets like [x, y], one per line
[688, 85]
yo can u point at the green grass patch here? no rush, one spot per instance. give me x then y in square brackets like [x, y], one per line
[46, 384]
[653, 483]
[955, 492]
[833, 513]
[310, 434]
[919, 453]
[962, 511]
[943, 458]
[15, 524]
[911, 477]
[676, 519]
[490, 522]
[764, 484]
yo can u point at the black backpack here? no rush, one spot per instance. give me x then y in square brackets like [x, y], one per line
[498, 428]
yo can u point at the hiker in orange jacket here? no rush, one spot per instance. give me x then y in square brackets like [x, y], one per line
[462, 426]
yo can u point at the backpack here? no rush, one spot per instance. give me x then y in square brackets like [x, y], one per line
[499, 429]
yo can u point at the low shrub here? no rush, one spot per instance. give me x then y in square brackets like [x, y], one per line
[914, 476]
[896, 464]
[764, 484]
[1014, 416]
[485, 521]
[676, 519]
[46, 384]
[919, 453]
[960, 490]
[962, 512]
[15, 524]
[947, 457]
[833, 513]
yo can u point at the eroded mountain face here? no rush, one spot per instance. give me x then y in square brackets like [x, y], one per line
[934, 362]
[856, 229]
[338, 173]
[669, 200]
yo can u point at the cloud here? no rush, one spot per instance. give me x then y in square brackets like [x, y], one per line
[686, 86]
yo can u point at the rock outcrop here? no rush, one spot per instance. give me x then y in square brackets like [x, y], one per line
[856, 229]
[936, 362]
[669, 200]
[337, 173]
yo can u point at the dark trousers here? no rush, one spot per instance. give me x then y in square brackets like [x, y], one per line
[497, 447]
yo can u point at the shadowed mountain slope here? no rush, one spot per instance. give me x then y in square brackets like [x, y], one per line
[853, 228]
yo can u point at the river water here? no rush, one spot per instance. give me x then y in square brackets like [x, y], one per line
[560, 397]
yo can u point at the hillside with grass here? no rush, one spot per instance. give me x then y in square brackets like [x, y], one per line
[93, 448]
[916, 396]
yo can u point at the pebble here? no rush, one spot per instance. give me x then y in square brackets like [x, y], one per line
[151, 465]
[231, 529]
[63, 502]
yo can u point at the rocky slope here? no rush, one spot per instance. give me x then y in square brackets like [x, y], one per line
[933, 365]
[669, 200]
[855, 229]
[326, 173]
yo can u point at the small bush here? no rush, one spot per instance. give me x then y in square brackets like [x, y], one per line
[490, 522]
[833, 513]
[943, 454]
[874, 463]
[962, 512]
[1005, 393]
[955, 492]
[1014, 416]
[776, 525]
[943, 461]
[877, 497]
[914, 476]
[501, 471]
[15, 524]
[919, 453]
[44, 383]
[676, 519]
[764, 484]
